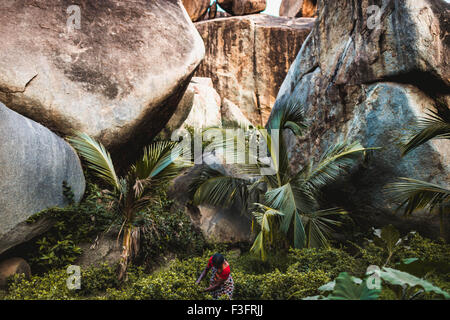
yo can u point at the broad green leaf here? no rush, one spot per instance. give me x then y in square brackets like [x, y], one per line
[391, 237]
[346, 289]
[400, 278]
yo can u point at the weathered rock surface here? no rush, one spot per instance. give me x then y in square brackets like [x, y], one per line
[243, 7]
[372, 85]
[216, 224]
[232, 113]
[298, 8]
[226, 5]
[34, 163]
[248, 57]
[196, 8]
[127, 65]
[105, 249]
[200, 107]
[205, 111]
[11, 267]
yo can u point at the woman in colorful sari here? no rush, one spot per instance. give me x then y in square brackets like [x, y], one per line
[221, 282]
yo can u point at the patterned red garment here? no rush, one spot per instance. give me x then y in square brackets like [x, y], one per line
[225, 272]
[227, 288]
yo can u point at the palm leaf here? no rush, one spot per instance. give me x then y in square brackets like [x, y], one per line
[290, 115]
[318, 226]
[218, 189]
[416, 194]
[283, 200]
[96, 157]
[436, 126]
[266, 221]
[334, 163]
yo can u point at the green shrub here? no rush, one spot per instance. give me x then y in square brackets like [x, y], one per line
[250, 264]
[52, 285]
[165, 230]
[412, 246]
[277, 285]
[331, 260]
[76, 223]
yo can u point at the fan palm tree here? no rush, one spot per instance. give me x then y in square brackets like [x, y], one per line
[291, 203]
[416, 194]
[135, 191]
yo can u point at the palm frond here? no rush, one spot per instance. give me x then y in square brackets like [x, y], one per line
[318, 226]
[416, 194]
[436, 126]
[283, 200]
[334, 163]
[96, 157]
[290, 115]
[217, 189]
[265, 220]
[160, 163]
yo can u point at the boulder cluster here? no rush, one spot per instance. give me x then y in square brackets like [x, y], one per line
[365, 70]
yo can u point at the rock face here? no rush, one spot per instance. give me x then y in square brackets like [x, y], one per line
[216, 224]
[248, 57]
[243, 7]
[205, 111]
[34, 162]
[298, 8]
[232, 113]
[11, 267]
[106, 249]
[369, 82]
[196, 8]
[100, 70]
[200, 107]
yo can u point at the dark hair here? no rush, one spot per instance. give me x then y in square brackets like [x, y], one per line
[217, 260]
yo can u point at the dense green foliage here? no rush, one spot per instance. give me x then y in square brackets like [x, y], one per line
[164, 231]
[76, 223]
[297, 274]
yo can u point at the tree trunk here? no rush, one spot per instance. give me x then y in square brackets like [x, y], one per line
[125, 252]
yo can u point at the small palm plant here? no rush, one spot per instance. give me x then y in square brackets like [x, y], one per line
[416, 194]
[134, 191]
[290, 205]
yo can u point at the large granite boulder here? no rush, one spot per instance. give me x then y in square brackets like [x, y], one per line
[196, 8]
[113, 69]
[200, 107]
[248, 57]
[298, 8]
[34, 163]
[371, 82]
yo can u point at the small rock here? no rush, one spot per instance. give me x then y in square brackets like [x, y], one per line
[196, 8]
[12, 267]
[298, 8]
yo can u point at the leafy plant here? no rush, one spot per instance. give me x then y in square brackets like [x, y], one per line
[389, 239]
[415, 194]
[135, 191]
[351, 288]
[407, 282]
[76, 223]
[290, 205]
